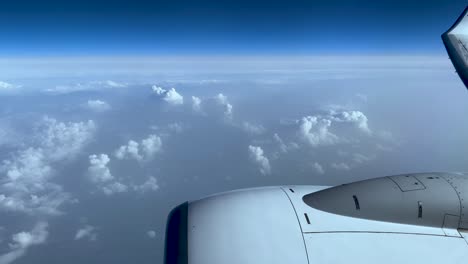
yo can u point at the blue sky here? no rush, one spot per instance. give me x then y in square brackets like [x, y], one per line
[144, 27]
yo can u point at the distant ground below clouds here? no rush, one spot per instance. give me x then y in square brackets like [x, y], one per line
[96, 151]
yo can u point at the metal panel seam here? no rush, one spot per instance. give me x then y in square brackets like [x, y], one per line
[299, 222]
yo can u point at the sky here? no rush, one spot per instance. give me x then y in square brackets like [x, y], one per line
[112, 113]
[223, 27]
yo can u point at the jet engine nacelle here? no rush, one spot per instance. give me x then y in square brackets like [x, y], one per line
[416, 216]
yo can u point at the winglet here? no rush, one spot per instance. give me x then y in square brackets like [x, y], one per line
[456, 43]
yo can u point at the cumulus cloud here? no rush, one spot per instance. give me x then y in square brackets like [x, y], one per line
[22, 241]
[86, 232]
[356, 117]
[64, 140]
[158, 90]
[317, 130]
[283, 146]
[151, 184]
[196, 104]
[114, 187]
[151, 234]
[221, 99]
[26, 184]
[171, 96]
[100, 174]
[257, 156]
[131, 150]
[143, 151]
[253, 129]
[98, 105]
[98, 170]
[318, 168]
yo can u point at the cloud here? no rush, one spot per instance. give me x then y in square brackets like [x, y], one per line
[196, 104]
[98, 105]
[151, 234]
[283, 146]
[253, 129]
[151, 184]
[221, 99]
[88, 232]
[98, 170]
[114, 187]
[318, 168]
[100, 174]
[27, 182]
[360, 158]
[22, 241]
[356, 117]
[171, 96]
[176, 127]
[341, 166]
[64, 140]
[158, 90]
[315, 130]
[257, 156]
[131, 150]
[87, 86]
[8, 87]
[143, 151]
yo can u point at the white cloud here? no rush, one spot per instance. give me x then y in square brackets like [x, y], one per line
[98, 169]
[171, 96]
[221, 99]
[88, 232]
[253, 129]
[151, 234]
[158, 90]
[22, 241]
[143, 151]
[8, 87]
[151, 184]
[100, 174]
[114, 84]
[87, 86]
[131, 150]
[341, 166]
[196, 104]
[315, 130]
[64, 140]
[318, 168]
[27, 185]
[114, 187]
[257, 156]
[98, 105]
[283, 146]
[356, 117]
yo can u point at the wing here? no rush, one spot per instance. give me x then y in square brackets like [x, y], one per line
[456, 43]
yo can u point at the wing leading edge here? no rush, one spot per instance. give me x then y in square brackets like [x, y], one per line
[456, 43]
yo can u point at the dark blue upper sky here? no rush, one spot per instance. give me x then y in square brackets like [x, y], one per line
[266, 27]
